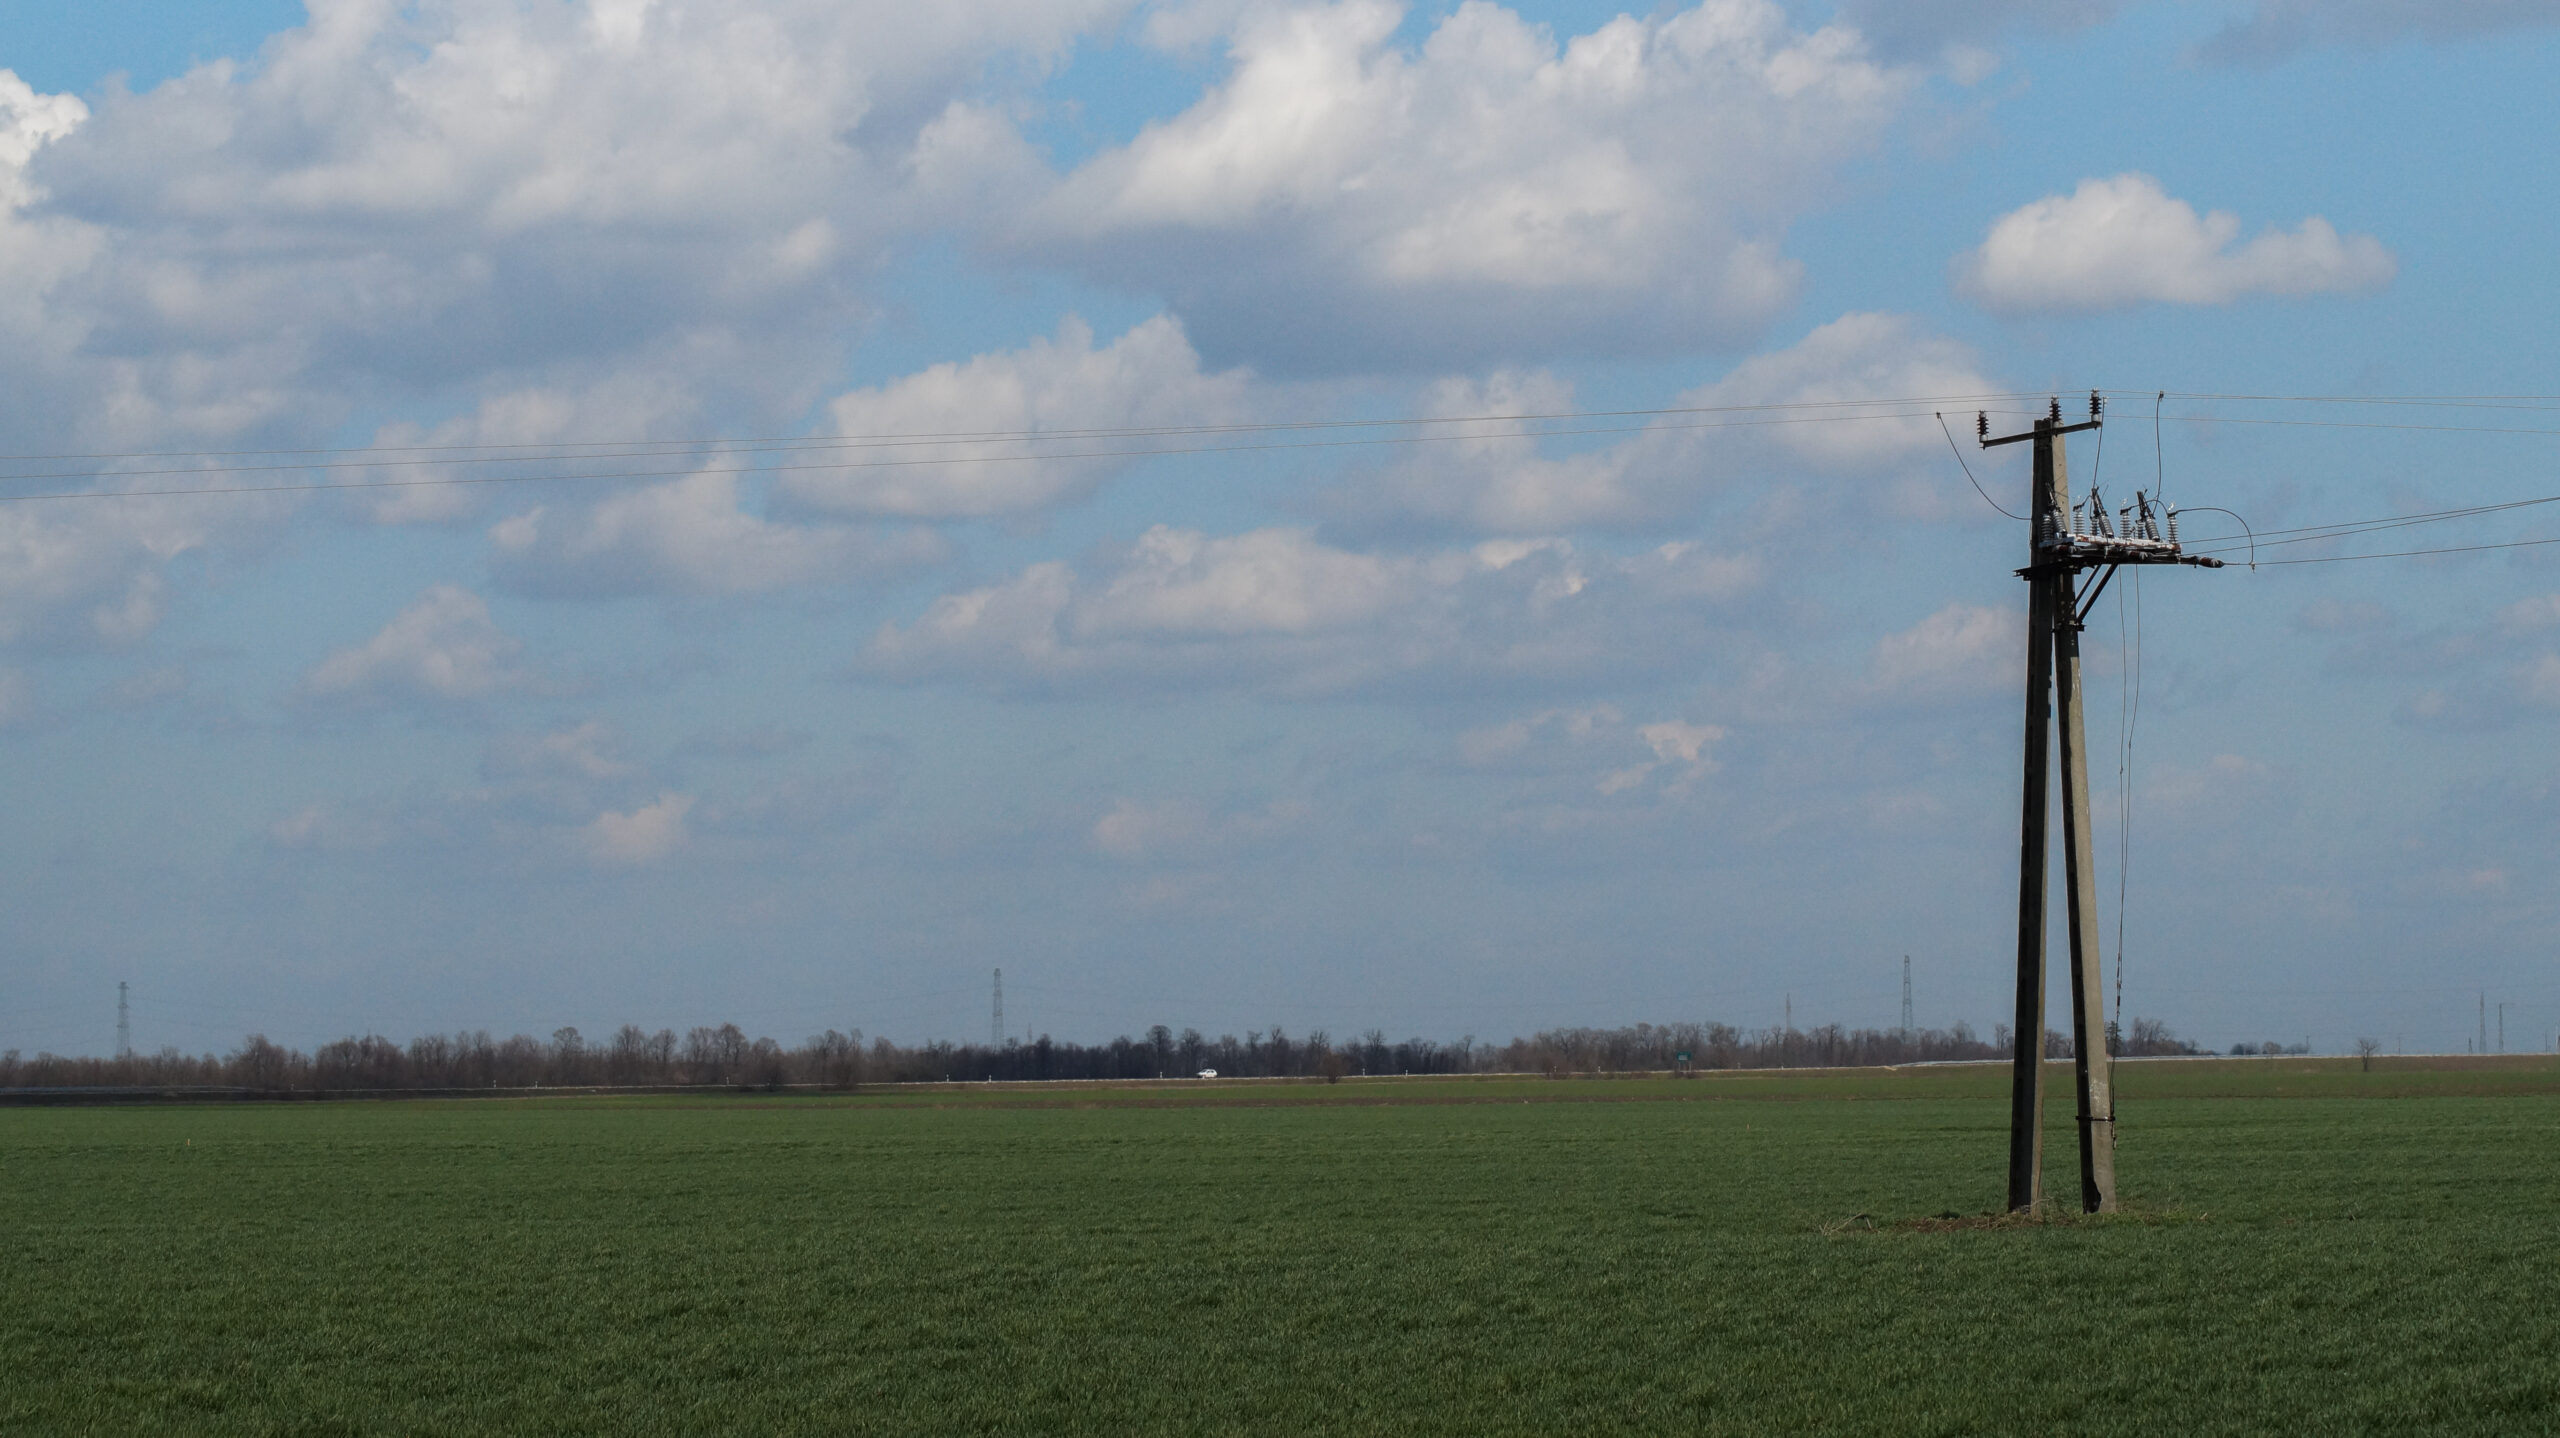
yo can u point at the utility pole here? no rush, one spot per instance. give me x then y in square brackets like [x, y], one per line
[995, 1024]
[2483, 1046]
[2059, 547]
[2502, 1025]
[124, 1024]
[1906, 998]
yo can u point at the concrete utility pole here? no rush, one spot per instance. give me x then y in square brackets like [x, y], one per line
[2060, 547]
[124, 1024]
[995, 1023]
[1906, 998]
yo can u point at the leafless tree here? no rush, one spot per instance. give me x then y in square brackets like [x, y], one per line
[568, 1057]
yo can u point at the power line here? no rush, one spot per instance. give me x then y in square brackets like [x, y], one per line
[922, 462]
[2342, 532]
[2532, 403]
[2398, 520]
[374, 458]
[967, 436]
[1968, 469]
[2449, 401]
[2361, 424]
[352, 456]
[2413, 553]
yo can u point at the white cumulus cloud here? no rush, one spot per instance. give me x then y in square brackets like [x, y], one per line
[689, 536]
[1346, 202]
[443, 648]
[1147, 378]
[642, 836]
[1677, 745]
[454, 198]
[587, 751]
[1963, 650]
[2125, 241]
[1280, 609]
[1803, 410]
[557, 219]
[1186, 830]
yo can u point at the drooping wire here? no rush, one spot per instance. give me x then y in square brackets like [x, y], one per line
[2159, 458]
[2131, 708]
[1968, 469]
[2244, 526]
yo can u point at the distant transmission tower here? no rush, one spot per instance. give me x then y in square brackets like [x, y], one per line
[1906, 998]
[995, 1024]
[124, 1024]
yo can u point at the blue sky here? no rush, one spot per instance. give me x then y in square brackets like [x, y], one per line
[1639, 720]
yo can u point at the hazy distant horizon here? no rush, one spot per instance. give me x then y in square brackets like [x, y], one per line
[1234, 679]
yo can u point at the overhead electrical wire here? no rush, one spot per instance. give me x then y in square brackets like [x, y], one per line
[560, 449]
[2438, 401]
[785, 442]
[2396, 520]
[566, 451]
[2361, 424]
[2159, 453]
[2414, 553]
[1144, 452]
[2311, 534]
[1958, 452]
[559, 462]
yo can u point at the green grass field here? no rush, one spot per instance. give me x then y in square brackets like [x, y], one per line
[2309, 1248]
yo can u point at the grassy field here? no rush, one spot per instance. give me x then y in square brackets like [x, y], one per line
[2310, 1248]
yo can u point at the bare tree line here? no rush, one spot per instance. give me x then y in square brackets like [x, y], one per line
[724, 1056]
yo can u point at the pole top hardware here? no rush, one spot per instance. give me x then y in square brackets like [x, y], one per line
[2088, 537]
[2050, 424]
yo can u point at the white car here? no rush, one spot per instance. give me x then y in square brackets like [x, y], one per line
[1208, 1073]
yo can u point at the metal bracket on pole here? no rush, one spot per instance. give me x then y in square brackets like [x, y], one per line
[2089, 597]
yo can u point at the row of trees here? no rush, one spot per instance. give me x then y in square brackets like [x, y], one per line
[725, 1056]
